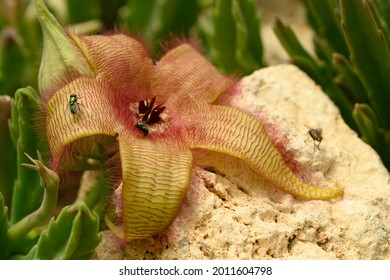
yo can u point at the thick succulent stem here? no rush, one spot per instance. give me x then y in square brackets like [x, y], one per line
[23, 133]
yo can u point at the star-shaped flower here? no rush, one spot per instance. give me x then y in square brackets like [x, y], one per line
[162, 115]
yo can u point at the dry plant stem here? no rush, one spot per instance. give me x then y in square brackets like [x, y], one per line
[50, 182]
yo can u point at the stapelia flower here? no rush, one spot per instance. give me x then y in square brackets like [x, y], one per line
[162, 116]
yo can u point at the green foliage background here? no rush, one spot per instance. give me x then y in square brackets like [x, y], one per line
[351, 62]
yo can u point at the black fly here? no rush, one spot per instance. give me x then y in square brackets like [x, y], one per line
[316, 135]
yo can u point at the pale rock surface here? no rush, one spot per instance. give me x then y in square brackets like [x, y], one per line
[222, 220]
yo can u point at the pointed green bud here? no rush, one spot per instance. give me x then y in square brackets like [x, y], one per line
[49, 181]
[61, 57]
[48, 178]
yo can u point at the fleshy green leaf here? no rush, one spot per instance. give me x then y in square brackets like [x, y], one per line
[13, 60]
[384, 9]
[81, 11]
[252, 19]
[369, 53]
[235, 39]
[28, 193]
[7, 152]
[327, 19]
[223, 37]
[348, 78]
[4, 244]
[96, 199]
[73, 235]
[375, 6]
[368, 124]
[245, 52]
[323, 50]
[371, 131]
[290, 41]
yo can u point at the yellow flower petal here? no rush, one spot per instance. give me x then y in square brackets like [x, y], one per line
[155, 178]
[229, 131]
[95, 115]
[121, 61]
[184, 76]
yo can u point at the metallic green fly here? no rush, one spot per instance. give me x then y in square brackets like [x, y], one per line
[73, 105]
[143, 127]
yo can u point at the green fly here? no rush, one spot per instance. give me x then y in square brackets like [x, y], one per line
[73, 105]
[143, 127]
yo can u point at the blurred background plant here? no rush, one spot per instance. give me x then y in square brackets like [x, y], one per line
[351, 62]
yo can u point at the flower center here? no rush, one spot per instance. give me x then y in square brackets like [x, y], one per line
[148, 114]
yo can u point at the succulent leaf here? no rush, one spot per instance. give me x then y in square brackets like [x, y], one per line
[372, 65]
[252, 22]
[379, 18]
[27, 194]
[72, 235]
[245, 53]
[290, 41]
[327, 20]
[323, 50]
[82, 11]
[96, 197]
[4, 244]
[235, 39]
[384, 7]
[368, 123]
[223, 45]
[7, 152]
[348, 78]
[13, 60]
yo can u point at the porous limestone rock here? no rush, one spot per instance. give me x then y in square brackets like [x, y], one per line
[221, 219]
